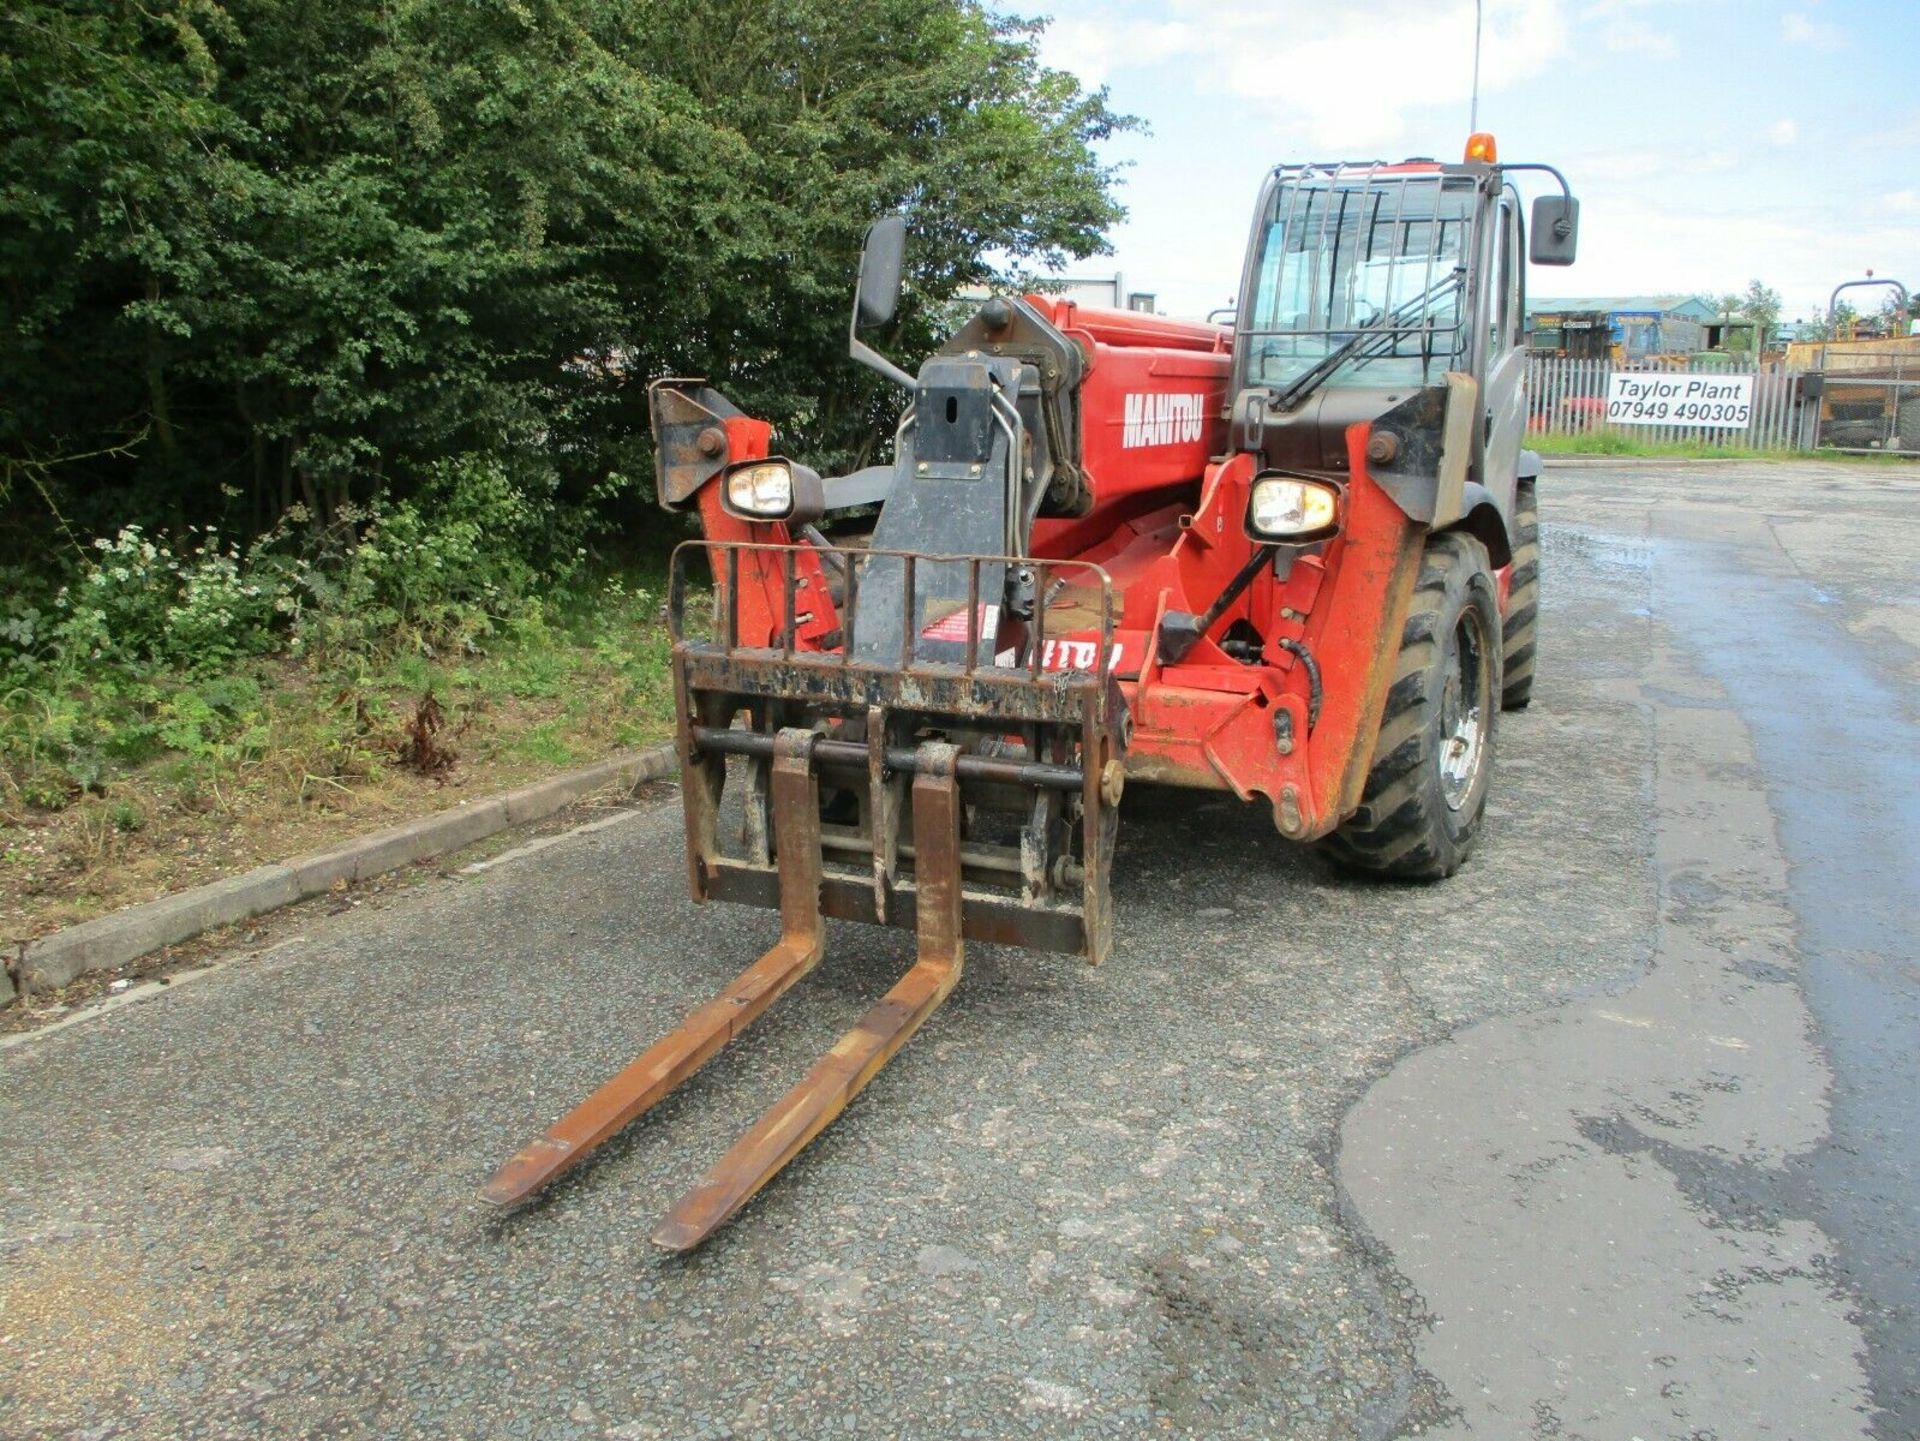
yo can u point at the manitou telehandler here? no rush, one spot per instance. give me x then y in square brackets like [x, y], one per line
[1294, 560]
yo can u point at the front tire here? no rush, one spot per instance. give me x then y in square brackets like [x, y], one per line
[1432, 760]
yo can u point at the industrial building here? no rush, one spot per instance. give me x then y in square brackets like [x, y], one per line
[1631, 327]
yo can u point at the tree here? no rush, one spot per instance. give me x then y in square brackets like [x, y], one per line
[835, 114]
[1761, 305]
[1896, 318]
[301, 254]
[110, 166]
[1827, 325]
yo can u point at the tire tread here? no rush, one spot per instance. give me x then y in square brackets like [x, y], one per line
[1404, 835]
[1519, 630]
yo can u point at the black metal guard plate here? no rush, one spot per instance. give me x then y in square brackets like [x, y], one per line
[1022, 690]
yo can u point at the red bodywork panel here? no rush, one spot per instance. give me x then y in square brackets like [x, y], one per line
[760, 590]
[1213, 720]
[1153, 403]
[1168, 527]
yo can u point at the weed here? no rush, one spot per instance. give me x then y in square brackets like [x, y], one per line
[46, 789]
[421, 748]
[543, 743]
[168, 700]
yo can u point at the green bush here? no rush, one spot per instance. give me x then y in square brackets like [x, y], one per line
[145, 650]
[136, 602]
[435, 573]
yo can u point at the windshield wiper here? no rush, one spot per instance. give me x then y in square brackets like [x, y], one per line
[1366, 344]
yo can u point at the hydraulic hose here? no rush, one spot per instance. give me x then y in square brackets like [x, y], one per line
[1241, 580]
[1299, 648]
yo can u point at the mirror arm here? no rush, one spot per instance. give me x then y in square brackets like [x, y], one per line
[873, 359]
[1561, 228]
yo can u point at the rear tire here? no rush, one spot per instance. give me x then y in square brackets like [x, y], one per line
[1433, 757]
[1523, 601]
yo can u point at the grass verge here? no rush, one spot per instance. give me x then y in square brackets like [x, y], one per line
[1614, 442]
[111, 794]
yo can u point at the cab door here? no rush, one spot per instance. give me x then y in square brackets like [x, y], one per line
[1503, 385]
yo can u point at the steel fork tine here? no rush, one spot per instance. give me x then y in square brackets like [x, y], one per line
[806, 1110]
[684, 1050]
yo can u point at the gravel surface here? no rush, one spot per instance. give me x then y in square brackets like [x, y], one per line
[1081, 1202]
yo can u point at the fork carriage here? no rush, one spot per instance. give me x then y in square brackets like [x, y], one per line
[1039, 768]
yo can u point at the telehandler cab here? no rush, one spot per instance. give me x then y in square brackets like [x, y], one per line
[1294, 559]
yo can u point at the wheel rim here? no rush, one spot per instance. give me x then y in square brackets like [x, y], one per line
[1465, 717]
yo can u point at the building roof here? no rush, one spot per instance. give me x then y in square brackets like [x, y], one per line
[1695, 306]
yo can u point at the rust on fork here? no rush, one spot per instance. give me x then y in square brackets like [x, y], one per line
[839, 1076]
[668, 1062]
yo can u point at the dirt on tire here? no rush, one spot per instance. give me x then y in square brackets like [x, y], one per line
[1406, 826]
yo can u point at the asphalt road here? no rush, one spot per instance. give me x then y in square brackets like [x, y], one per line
[1609, 1136]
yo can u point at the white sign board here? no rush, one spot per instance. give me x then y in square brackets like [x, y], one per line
[1722, 402]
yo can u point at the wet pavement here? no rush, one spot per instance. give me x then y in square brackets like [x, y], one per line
[1604, 1137]
[1834, 728]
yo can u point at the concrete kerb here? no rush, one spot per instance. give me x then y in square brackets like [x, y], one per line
[114, 940]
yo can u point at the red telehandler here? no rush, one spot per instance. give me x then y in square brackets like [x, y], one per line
[1295, 559]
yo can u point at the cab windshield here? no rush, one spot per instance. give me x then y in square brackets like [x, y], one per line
[1359, 280]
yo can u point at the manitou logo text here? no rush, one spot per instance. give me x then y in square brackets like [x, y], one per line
[1156, 419]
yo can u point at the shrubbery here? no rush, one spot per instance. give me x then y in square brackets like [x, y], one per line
[136, 603]
[441, 570]
[332, 322]
[264, 255]
[146, 647]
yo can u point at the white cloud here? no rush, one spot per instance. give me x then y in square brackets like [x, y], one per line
[1799, 29]
[1627, 35]
[1331, 79]
[1347, 81]
[1094, 49]
[1633, 244]
[1683, 189]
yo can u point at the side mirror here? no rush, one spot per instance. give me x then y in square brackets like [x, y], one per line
[878, 294]
[1556, 230]
[881, 259]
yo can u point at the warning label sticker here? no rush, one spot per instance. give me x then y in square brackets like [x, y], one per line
[953, 626]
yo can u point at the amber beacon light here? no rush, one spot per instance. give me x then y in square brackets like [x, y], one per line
[1481, 146]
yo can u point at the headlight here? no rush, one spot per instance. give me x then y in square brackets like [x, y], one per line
[1285, 507]
[763, 490]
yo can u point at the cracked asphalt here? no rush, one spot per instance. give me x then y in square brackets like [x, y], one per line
[1608, 1136]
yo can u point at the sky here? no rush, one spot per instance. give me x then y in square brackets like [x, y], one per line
[1711, 142]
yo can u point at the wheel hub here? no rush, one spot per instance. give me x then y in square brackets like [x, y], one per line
[1464, 713]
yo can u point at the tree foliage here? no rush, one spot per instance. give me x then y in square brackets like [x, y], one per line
[256, 256]
[1896, 318]
[1762, 305]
